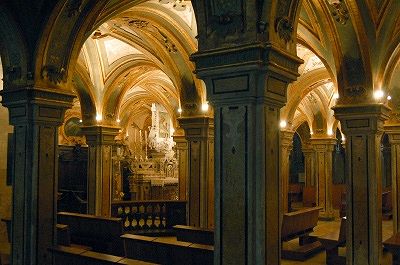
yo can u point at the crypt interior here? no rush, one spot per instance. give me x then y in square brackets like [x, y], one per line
[200, 132]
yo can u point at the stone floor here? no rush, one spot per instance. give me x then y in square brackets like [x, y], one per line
[324, 227]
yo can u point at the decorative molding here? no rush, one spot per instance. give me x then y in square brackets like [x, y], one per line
[53, 74]
[284, 28]
[12, 73]
[355, 91]
[137, 23]
[339, 11]
[167, 42]
[74, 7]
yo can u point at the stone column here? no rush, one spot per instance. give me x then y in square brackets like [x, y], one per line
[309, 175]
[393, 131]
[182, 154]
[286, 142]
[36, 115]
[100, 140]
[363, 128]
[199, 133]
[247, 87]
[323, 148]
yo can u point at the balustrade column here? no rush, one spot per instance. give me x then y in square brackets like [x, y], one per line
[100, 140]
[199, 133]
[363, 128]
[36, 115]
[286, 142]
[393, 131]
[247, 88]
[309, 175]
[323, 148]
[182, 154]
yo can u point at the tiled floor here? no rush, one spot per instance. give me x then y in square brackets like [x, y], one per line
[326, 227]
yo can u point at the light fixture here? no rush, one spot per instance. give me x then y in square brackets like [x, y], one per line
[330, 132]
[179, 110]
[378, 94]
[80, 121]
[336, 96]
[204, 107]
[118, 120]
[389, 97]
[99, 117]
[283, 124]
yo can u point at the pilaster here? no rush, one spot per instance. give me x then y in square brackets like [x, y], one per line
[393, 131]
[36, 115]
[100, 140]
[247, 87]
[286, 143]
[323, 148]
[309, 165]
[199, 133]
[182, 155]
[362, 125]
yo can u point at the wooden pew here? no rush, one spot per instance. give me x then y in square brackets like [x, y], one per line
[64, 255]
[102, 234]
[392, 244]
[309, 196]
[194, 234]
[300, 224]
[332, 241]
[167, 250]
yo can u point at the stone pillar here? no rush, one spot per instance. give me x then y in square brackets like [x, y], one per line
[286, 141]
[363, 128]
[309, 175]
[36, 115]
[199, 133]
[247, 87]
[323, 148]
[393, 131]
[182, 154]
[100, 140]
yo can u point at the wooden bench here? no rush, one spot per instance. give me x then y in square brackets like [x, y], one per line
[300, 224]
[194, 234]
[64, 255]
[331, 243]
[392, 244]
[167, 250]
[102, 234]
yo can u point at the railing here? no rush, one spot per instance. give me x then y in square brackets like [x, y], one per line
[149, 215]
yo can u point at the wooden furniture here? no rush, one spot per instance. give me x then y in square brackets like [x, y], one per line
[5, 248]
[64, 255]
[300, 224]
[387, 205]
[331, 243]
[194, 234]
[393, 246]
[102, 234]
[309, 196]
[167, 250]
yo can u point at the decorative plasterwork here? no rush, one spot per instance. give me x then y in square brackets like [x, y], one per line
[339, 11]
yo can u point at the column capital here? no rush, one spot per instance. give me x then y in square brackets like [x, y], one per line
[362, 118]
[197, 127]
[286, 138]
[393, 131]
[100, 134]
[251, 72]
[323, 144]
[37, 105]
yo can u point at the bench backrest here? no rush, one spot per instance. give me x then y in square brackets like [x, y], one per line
[299, 223]
[342, 231]
[194, 234]
[100, 233]
[309, 196]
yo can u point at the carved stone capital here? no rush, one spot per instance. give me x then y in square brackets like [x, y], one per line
[36, 105]
[286, 139]
[362, 118]
[100, 134]
[197, 128]
[323, 144]
[393, 131]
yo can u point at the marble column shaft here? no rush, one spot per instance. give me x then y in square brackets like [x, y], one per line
[363, 127]
[36, 115]
[199, 133]
[309, 165]
[247, 87]
[323, 148]
[100, 140]
[286, 143]
[182, 155]
[393, 131]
